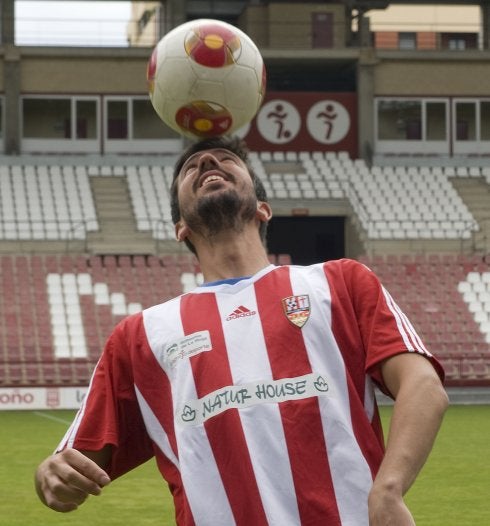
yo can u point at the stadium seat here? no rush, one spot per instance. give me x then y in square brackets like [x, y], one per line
[70, 305]
[431, 207]
[436, 292]
[45, 203]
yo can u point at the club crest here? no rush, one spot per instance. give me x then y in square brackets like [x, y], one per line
[297, 309]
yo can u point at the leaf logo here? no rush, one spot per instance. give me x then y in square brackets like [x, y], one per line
[188, 414]
[321, 385]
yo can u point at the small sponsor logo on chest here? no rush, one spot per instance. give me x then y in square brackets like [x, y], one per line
[240, 312]
[187, 347]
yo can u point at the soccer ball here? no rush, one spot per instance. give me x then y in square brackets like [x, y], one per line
[206, 78]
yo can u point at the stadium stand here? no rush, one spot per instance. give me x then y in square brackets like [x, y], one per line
[56, 201]
[56, 309]
[446, 298]
[45, 202]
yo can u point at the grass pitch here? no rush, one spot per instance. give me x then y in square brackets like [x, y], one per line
[452, 490]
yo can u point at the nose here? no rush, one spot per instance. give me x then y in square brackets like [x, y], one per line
[207, 160]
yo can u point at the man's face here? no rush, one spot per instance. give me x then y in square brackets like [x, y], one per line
[215, 192]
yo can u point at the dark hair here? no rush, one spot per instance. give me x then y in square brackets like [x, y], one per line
[234, 145]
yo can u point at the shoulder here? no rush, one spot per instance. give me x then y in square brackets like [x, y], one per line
[129, 323]
[337, 271]
[348, 276]
[348, 265]
[124, 333]
[349, 270]
[160, 309]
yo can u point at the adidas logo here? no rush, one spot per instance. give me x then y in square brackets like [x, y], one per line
[240, 312]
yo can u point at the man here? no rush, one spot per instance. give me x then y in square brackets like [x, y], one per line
[255, 391]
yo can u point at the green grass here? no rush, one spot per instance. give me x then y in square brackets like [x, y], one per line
[454, 485]
[139, 498]
[452, 490]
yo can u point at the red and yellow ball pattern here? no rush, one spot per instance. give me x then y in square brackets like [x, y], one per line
[204, 119]
[212, 45]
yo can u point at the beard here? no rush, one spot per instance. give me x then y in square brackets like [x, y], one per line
[220, 212]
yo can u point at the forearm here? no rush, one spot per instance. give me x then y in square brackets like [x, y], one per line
[420, 403]
[417, 415]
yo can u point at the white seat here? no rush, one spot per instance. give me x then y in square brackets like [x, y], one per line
[134, 308]
[101, 294]
[84, 283]
[473, 277]
[475, 306]
[481, 316]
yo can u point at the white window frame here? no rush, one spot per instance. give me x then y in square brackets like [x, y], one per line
[132, 145]
[476, 147]
[2, 124]
[60, 145]
[420, 147]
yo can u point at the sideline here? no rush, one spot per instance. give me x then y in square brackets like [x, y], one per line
[51, 417]
[457, 396]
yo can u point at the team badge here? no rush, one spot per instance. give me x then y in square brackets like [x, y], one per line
[297, 309]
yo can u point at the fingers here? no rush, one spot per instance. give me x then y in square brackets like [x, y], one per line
[65, 480]
[62, 497]
[79, 471]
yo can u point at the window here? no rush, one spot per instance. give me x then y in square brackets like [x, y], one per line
[322, 29]
[459, 41]
[147, 124]
[46, 118]
[132, 125]
[407, 41]
[436, 124]
[86, 119]
[117, 119]
[399, 120]
[485, 120]
[53, 118]
[465, 121]
[412, 126]
[423, 126]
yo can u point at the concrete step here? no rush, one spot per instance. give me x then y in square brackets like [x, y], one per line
[120, 244]
[127, 248]
[118, 233]
[111, 213]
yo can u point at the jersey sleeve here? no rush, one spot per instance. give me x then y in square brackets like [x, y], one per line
[109, 414]
[384, 328]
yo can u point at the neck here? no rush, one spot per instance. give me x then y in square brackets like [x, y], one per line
[231, 255]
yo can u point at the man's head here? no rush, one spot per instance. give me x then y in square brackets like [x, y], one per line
[215, 188]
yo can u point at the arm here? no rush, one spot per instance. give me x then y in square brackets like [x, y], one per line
[420, 403]
[65, 480]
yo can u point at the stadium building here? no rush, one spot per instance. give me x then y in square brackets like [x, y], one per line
[373, 143]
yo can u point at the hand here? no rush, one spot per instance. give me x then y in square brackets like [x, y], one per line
[386, 509]
[66, 479]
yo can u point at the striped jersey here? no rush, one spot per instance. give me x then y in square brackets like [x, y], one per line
[255, 397]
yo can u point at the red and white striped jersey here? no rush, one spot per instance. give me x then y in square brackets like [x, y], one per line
[255, 397]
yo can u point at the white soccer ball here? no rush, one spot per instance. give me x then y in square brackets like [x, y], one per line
[206, 78]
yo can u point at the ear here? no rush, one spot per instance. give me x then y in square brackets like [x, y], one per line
[264, 212]
[181, 231]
